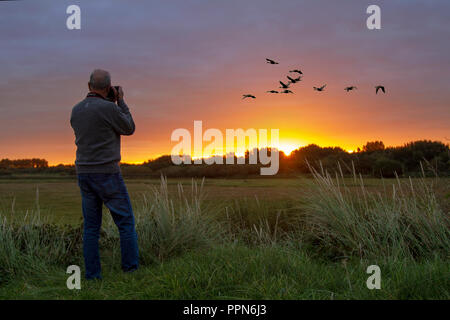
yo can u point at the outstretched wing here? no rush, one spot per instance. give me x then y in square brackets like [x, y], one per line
[382, 89]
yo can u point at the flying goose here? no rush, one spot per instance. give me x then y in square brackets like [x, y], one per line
[284, 86]
[350, 88]
[248, 96]
[378, 88]
[292, 80]
[320, 88]
[270, 61]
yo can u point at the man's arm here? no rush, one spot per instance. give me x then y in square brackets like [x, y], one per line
[121, 119]
[125, 123]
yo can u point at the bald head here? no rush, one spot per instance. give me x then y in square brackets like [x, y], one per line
[100, 80]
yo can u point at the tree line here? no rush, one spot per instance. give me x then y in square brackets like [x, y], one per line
[23, 163]
[373, 159]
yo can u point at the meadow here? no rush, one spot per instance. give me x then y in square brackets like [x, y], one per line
[59, 197]
[260, 238]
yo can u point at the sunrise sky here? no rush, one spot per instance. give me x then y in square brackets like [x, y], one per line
[180, 61]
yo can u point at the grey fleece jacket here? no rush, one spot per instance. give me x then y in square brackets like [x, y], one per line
[98, 125]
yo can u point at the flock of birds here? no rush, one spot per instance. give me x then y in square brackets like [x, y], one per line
[285, 86]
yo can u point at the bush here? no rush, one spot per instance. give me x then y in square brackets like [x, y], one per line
[387, 168]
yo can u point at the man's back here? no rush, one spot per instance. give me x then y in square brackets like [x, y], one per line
[98, 124]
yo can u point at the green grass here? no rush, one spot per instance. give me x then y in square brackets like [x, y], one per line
[404, 219]
[313, 239]
[60, 199]
[240, 272]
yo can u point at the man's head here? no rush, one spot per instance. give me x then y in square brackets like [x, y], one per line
[100, 82]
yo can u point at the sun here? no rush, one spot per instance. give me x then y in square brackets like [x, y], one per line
[287, 148]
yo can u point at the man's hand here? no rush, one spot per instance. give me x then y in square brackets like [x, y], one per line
[120, 94]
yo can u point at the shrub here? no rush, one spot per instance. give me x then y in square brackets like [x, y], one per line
[387, 168]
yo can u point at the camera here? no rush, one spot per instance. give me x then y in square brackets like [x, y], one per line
[111, 95]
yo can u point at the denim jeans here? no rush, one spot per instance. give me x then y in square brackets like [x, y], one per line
[109, 189]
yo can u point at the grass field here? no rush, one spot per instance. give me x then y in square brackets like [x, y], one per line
[59, 197]
[235, 238]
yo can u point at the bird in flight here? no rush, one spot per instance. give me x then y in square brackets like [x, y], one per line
[270, 61]
[350, 88]
[292, 80]
[248, 96]
[286, 91]
[296, 70]
[378, 88]
[272, 91]
[320, 88]
[284, 86]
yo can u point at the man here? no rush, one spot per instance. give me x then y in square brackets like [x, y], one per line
[98, 124]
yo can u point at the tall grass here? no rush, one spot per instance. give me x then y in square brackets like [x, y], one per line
[31, 244]
[167, 224]
[403, 219]
[257, 221]
[170, 223]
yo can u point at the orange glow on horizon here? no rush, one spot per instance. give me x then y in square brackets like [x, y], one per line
[286, 146]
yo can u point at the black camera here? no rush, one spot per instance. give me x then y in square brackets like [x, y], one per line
[111, 95]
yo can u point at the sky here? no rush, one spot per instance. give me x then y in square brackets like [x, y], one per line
[185, 60]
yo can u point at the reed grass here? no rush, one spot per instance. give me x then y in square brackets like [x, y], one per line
[402, 220]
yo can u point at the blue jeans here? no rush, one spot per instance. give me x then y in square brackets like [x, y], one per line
[109, 189]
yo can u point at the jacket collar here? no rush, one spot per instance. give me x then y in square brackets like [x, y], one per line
[95, 95]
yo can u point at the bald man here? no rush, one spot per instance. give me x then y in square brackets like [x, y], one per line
[98, 122]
